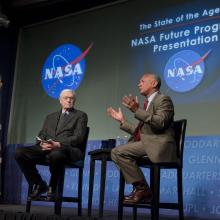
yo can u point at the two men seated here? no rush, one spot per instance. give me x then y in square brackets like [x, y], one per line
[63, 132]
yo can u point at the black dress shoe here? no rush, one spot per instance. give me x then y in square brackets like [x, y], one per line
[38, 190]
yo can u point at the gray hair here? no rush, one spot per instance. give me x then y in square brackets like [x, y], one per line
[68, 90]
[156, 77]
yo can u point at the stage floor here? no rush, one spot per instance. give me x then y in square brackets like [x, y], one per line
[17, 212]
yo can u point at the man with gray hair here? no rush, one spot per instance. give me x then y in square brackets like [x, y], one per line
[58, 141]
[153, 136]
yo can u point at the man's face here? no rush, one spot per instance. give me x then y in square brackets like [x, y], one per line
[67, 100]
[146, 85]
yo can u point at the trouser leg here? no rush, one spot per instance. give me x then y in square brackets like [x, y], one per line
[58, 158]
[27, 157]
[57, 163]
[125, 157]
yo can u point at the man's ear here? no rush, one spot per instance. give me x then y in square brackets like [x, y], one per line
[155, 84]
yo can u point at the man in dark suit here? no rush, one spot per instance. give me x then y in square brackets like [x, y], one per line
[154, 136]
[59, 141]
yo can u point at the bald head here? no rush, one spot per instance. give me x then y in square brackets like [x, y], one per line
[149, 83]
[154, 77]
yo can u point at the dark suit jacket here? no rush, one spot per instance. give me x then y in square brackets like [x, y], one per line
[157, 134]
[71, 134]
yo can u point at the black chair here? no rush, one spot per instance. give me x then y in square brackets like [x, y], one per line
[59, 193]
[155, 204]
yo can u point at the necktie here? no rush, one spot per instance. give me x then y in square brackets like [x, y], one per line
[62, 120]
[137, 136]
[145, 104]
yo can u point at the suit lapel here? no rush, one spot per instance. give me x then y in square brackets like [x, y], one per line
[151, 105]
[68, 119]
[55, 121]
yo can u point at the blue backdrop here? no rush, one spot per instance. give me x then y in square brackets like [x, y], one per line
[201, 179]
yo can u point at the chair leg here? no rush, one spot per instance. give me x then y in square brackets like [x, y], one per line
[59, 194]
[152, 189]
[155, 187]
[80, 181]
[28, 202]
[134, 213]
[121, 196]
[91, 184]
[102, 187]
[57, 207]
[180, 193]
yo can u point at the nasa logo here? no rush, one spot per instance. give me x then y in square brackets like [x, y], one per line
[63, 69]
[185, 70]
